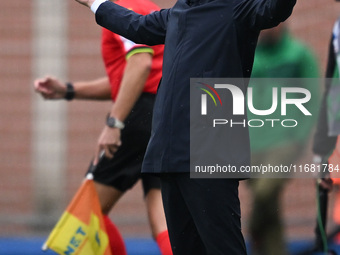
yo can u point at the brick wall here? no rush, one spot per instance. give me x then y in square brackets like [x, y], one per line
[312, 22]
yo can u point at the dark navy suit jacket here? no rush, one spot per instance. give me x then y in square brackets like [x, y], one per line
[203, 38]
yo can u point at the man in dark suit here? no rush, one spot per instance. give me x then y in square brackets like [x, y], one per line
[203, 38]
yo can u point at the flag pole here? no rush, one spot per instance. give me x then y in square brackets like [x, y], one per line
[89, 176]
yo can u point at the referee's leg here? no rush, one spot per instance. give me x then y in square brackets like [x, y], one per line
[203, 215]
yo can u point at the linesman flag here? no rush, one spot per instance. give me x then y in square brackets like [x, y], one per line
[81, 229]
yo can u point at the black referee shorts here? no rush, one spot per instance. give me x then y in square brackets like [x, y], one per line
[124, 169]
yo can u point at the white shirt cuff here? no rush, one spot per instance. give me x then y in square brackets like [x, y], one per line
[96, 4]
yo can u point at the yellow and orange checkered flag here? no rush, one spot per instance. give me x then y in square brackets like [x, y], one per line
[81, 229]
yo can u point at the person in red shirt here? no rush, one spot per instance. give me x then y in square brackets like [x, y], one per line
[133, 73]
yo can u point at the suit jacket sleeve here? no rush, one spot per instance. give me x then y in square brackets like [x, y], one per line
[149, 29]
[262, 14]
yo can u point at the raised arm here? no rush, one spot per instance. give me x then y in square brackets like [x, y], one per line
[262, 14]
[87, 3]
[145, 29]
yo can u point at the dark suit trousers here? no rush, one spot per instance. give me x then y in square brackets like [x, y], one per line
[203, 215]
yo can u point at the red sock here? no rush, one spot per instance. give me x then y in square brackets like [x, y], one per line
[337, 239]
[115, 239]
[164, 243]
